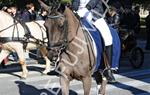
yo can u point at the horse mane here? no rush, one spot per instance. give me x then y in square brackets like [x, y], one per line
[5, 19]
[73, 23]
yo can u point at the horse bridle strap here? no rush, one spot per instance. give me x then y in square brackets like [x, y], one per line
[9, 27]
[21, 39]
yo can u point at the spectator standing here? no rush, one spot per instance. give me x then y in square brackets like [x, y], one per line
[147, 20]
[14, 11]
[29, 13]
[113, 18]
[42, 14]
[136, 19]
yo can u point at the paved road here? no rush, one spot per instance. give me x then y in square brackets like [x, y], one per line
[129, 81]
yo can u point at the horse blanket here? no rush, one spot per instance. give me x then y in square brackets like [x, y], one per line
[97, 39]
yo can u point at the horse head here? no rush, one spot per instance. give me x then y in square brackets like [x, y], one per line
[56, 25]
[61, 26]
[58, 16]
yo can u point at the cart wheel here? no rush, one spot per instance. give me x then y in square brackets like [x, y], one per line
[136, 57]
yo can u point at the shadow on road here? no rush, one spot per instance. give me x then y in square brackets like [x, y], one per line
[26, 89]
[12, 68]
[133, 90]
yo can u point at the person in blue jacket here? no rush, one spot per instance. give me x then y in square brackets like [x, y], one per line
[29, 13]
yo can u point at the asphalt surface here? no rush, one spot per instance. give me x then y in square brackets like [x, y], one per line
[130, 81]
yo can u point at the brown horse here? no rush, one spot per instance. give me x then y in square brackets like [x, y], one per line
[72, 47]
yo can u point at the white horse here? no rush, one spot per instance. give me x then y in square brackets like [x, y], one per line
[12, 39]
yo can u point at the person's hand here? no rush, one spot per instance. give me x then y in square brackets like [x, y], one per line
[88, 7]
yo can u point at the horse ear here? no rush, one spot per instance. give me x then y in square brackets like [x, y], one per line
[43, 5]
[62, 8]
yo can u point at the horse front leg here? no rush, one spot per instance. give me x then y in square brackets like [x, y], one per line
[64, 82]
[22, 62]
[87, 84]
[24, 68]
[101, 82]
[47, 66]
[102, 89]
[43, 51]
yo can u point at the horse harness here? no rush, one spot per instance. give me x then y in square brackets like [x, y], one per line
[26, 39]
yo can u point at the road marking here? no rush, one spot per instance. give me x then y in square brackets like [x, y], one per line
[133, 83]
[132, 74]
[144, 94]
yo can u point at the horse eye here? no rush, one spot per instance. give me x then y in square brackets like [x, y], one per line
[60, 26]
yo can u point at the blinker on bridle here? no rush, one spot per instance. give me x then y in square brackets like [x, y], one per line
[65, 41]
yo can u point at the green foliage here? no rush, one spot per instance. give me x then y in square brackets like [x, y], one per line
[66, 1]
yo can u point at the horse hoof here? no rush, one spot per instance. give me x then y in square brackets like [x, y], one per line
[23, 78]
[46, 71]
[43, 73]
[24, 75]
